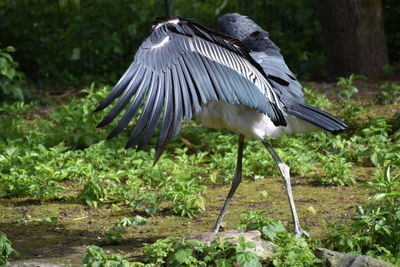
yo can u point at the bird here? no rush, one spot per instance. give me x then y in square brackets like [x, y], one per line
[237, 80]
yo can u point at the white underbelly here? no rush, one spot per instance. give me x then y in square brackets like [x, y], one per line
[244, 120]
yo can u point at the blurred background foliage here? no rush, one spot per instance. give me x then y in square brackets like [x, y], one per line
[76, 42]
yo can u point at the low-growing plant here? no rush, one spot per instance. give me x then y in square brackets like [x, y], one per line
[74, 123]
[390, 93]
[6, 249]
[350, 111]
[316, 99]
[175, 251]
[294, 250]
[347, 87]
[137, 220]
[10, 78]
[113, 236]
[92, 192]
[291, 250]
[375, 230]
[185, 197]
[95, 257]
[159, 251]
[337, 171]
[257, 220]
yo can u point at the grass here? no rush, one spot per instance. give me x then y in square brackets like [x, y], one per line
[56, 164]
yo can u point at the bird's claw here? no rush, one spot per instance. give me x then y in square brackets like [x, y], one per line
[300, 232]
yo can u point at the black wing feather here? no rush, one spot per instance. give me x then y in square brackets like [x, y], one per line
[155, 115]
[197, 96]
[133, 107]
[125, 97]
[177, 119]
[144, 116]
[166, 125]
[119, 87]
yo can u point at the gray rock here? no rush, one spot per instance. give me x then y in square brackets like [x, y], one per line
[34, 264]
[264, 249]
[332, 258]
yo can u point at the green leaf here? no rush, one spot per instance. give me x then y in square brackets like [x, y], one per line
[182, 254]
[223, 263]
[248, 260]
[271, 230]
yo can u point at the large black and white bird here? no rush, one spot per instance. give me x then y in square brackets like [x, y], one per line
[237, 80]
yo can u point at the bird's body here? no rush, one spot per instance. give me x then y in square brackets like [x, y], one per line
[237, 80]
[244, 120]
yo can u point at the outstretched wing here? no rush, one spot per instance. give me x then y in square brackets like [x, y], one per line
[179, 67]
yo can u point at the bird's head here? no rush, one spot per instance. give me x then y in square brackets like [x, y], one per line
[238, 26]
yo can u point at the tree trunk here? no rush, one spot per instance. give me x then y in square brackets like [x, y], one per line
[354, 36]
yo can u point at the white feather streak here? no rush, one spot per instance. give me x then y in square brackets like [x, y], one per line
[162, 43]
[227, 59]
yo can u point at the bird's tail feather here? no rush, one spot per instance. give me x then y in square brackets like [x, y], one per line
[318, 117]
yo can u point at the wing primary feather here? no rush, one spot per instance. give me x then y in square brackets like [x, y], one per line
[196, 95]
[125, 97]
[228, 83]
[211, 85]
[198, 78]
[207, 67]
[118, 87]
[155, 115]
[177, 118]
[217, 80]
[166, 124]
[225, 78]
[132, 109]
[144, 116]
[185, 95]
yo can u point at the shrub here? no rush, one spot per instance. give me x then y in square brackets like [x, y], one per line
[10, 78]
[375, 230]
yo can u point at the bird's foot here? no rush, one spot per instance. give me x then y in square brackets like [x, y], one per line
[300, 232]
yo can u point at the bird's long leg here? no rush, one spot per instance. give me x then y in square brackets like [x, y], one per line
[285, 173]
[237, 178]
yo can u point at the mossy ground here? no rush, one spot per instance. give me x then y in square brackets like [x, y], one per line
[64, 241]
[78, 225]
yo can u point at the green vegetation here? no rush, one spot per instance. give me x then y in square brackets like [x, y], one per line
[52, 155]
[10, 78]
[390, 93]
[95, 40]
[55, 153]
[137, 220]
[95, 257]
[375, 230]
[176, 251]
[113, 236]
[5, 249]
[291, 250]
